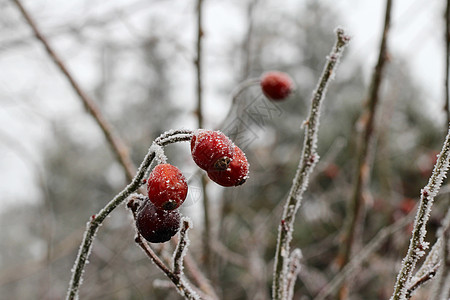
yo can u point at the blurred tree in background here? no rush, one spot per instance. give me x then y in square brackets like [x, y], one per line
[136, 90]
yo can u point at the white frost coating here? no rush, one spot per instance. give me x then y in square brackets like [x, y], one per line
[159, 153]
[182, 246]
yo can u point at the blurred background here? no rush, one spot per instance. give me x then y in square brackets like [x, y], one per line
[136, 60]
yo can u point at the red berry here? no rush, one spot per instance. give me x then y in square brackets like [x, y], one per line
[276, 85]
[157, 225]
[211, 150]
[236, 173]
[166, 186]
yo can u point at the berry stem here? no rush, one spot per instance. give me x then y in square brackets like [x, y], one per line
[306, 165]
[182, 286]
[181, 249]
[93, 224]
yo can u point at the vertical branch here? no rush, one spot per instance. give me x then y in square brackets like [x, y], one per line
[356, 208]
[117, 145]
[246, 46]
[307, 162]
[447, 62]
[206, 207]
[417, 244]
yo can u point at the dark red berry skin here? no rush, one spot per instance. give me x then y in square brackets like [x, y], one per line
[276, 85]
[157, 225]
[211, 150]
[236, 173]
[166, 186]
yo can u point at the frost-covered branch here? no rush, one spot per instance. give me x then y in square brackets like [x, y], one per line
[182, 245]
[441, 289]
[417, 243]
[181, 285]
[97, 219]
[428, 269]
[306, 165]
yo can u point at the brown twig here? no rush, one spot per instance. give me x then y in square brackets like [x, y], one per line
[117, 145]
[421, 281]
[366, 148]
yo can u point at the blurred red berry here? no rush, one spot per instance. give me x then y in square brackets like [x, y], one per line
[236, 173]
[276, 85]
[211, 150]
[331, 171]
[407, 205]
[166, 186]
[157, 225]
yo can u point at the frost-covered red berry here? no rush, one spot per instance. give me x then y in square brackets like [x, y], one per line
[166, 186]
[276, 85]
[236, 173]
[211, 150]
[157, 225]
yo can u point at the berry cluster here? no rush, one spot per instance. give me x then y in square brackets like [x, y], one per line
[223, 161]
[157, 216]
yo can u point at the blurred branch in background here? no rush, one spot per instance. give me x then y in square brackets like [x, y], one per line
[117, 145]
[365, 154]
[447, 63]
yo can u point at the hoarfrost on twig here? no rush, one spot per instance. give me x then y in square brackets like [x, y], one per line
[307, 162]
[417, 243]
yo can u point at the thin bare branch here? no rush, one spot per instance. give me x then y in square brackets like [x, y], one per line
[375, 243]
